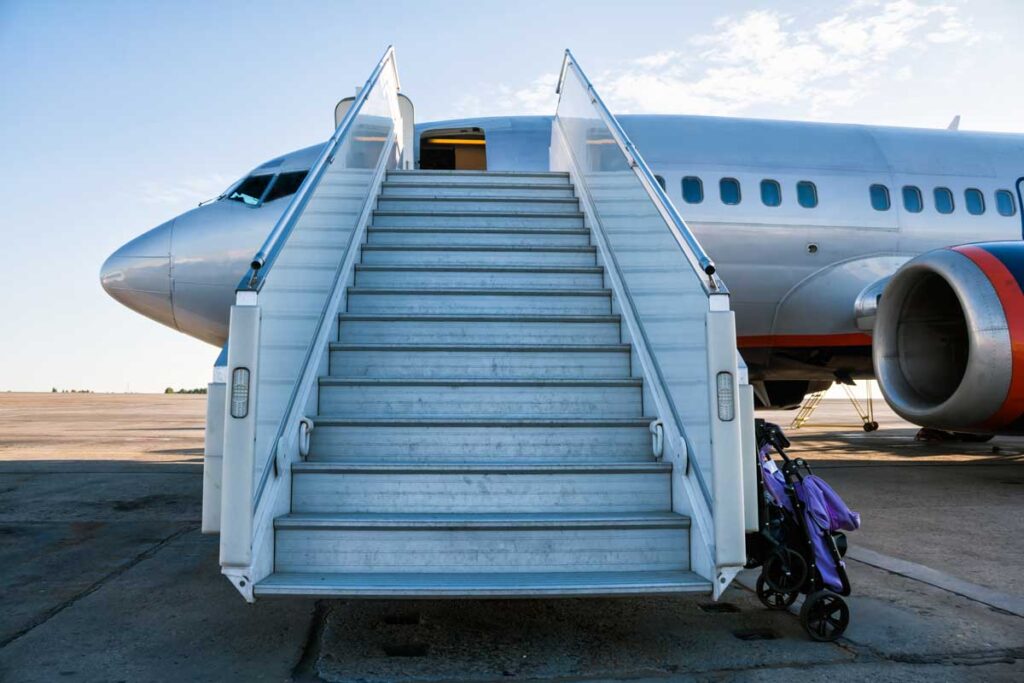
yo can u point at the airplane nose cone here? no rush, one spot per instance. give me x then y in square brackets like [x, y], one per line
[138, 275]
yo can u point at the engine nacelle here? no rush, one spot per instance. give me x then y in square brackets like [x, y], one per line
[948, 341]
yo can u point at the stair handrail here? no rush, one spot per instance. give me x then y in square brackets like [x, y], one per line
[264, 259]
[307, 373]
[677, 226]
[717, 510]
[250, 501]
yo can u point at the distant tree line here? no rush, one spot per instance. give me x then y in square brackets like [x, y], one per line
[170, 390]
[70, 391]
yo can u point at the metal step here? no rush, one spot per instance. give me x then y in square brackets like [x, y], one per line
[479, 237]
[481, 177]
[445, 440]
[505, 542]
[491, 361]
[486, 276]
[514, 190]
[480, 398]
[302, 254]
[478, 329]
[472, 255]
[326, 487]
[479, 218]
[482, 300]
[481, 585]
[480, 203]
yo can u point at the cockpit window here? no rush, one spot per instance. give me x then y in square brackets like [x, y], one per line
[285, 185]
[251, 189]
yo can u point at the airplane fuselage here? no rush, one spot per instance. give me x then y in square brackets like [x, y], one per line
[803, 219]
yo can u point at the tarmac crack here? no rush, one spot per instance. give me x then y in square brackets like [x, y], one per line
[966, 658]
[305, 670]
[95, 586]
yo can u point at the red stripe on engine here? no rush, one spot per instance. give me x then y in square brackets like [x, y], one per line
[803, 340]
[1012, 300]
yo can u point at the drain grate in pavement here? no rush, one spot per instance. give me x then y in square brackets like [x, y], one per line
[756, 634]
[718, 607]
[406, 650]
[404, 619]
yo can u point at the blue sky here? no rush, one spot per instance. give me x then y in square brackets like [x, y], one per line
[116, 116]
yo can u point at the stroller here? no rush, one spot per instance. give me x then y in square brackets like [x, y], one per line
[800, 544]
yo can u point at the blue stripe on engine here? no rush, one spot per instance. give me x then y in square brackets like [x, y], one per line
[1011, 254]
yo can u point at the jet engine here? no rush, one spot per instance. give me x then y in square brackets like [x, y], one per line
[948, 345]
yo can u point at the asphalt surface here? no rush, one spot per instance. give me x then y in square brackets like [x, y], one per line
[104, 575]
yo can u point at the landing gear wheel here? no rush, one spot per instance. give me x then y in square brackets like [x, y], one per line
[871, 426]
[785, 571]
[772, 599]
[824, 616]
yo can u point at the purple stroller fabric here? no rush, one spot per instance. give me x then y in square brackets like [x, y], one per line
[774, 482]
[824, 513]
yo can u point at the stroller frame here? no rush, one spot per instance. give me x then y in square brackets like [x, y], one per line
[783, 546]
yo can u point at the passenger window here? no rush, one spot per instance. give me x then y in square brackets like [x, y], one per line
[771, 193]
[661, 181]
[286, 184]
[729, 189]
[944, 200]
[693, 190]
[1004, 203]
[912, 200]
[251, 189]
[975, 201]
[807, 194]
[880, 198]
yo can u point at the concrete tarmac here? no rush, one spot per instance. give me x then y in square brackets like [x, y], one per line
[105, 577]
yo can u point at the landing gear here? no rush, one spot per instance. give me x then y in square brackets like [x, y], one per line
[771, 598]
[865, 411]
[824, 616]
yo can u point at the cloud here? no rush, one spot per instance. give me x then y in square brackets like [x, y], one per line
[760, 60]
[537, 97]
[184, 192]
[765, 57]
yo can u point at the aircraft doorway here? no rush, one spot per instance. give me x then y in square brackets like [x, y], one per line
[461, 149]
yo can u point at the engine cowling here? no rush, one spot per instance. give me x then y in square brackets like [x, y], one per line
[948, 345]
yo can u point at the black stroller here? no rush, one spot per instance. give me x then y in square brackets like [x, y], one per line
[800, 545]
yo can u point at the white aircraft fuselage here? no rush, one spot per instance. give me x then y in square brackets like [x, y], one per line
[806, 222]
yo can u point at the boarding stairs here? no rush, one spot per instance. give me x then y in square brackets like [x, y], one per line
[479, 432]
[471, 415]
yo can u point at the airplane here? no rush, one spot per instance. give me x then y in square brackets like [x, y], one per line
[849, 250]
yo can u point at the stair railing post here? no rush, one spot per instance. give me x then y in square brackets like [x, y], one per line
[240, 434]
[727, 441]
[213, 445]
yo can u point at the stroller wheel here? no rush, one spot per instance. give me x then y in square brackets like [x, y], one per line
[772, 599]
[824, 616]
[870, 426]
[785, 570]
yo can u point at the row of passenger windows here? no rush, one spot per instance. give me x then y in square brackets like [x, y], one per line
[913, 200]
[730, 192]
[807, 196]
